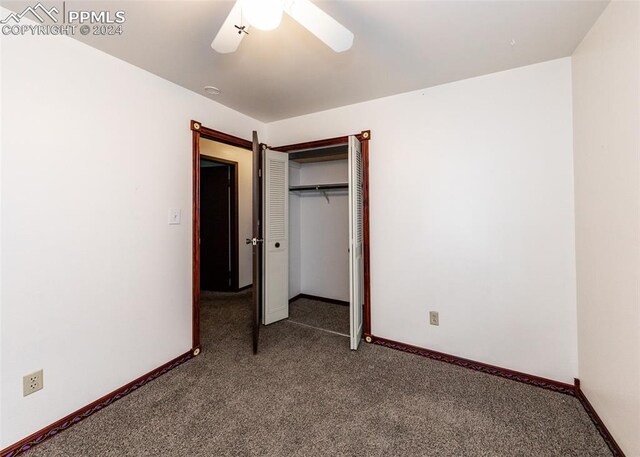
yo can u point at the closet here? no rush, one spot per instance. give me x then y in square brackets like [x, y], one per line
[309, 231]
[313, 229]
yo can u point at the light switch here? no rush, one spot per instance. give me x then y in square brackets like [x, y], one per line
[175, 215]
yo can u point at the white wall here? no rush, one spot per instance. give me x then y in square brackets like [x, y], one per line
[324, 232]
[295, 256]
[244, 157]
[319, 232]
[94, 281]
[472, 215]
[1, 318]
[606, 97]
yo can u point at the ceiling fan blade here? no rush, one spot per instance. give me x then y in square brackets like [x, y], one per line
[326, 28]
[229, 36]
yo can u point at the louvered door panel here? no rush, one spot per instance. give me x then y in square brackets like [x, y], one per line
[277, 199]
[276, 232]
[356, 263]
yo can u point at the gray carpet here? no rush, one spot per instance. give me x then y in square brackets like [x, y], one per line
[306, 394]
[323, 315]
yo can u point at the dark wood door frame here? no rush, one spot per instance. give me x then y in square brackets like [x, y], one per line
[235, 215]
[199, 131]
[364, 138]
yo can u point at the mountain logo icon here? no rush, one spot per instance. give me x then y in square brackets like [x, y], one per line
[39, 11]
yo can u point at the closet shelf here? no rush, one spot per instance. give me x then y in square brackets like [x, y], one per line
[319, 187]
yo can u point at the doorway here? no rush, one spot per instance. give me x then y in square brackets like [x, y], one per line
[216, 155]
[323, 241]
[218, 225]
[270, 220]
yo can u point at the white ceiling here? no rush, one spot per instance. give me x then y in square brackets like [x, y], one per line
[399, 46]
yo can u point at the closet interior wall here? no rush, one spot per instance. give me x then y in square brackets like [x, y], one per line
[319, 231]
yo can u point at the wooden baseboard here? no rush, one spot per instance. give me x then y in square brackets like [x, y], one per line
[568, 389]
[75, 417]
[593, 415]
[525, 378]
[324, 299]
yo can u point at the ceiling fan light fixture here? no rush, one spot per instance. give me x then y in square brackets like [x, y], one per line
[263, 14]
[267, 15]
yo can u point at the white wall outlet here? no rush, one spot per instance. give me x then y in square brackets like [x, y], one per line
[32, 383]
[175, 216]
[434, 319]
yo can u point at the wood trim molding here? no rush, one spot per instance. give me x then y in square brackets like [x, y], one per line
[318, 298]
[200, 131]
[366, 237]
[364, 138]
[195, 235]
[312, 144]
[595, 418]
[77, 416]
[365, 135]
[221, 137]
[525, 378]
[567, 389]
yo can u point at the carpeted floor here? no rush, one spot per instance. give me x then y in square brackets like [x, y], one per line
[322, 315]
[307, 394]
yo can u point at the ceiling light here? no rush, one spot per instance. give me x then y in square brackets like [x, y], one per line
[263, 14]
[212, 90]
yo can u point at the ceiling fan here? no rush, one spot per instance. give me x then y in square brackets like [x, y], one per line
[267, 14]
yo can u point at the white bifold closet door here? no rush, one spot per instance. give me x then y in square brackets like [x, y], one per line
[275, 186]
[356, 265]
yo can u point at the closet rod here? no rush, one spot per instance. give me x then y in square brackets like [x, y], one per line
[317, 187]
